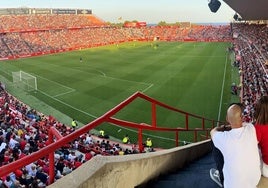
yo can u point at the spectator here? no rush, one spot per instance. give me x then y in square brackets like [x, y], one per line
[42, 176]
[67, 169]
[234, 89]
[74, 124]
[240, 151]
[89, 155]
[88, 139]
[101, 135]
[60, 165]
[126, 139]
[261, 126]
[8, 182]
[149, 143]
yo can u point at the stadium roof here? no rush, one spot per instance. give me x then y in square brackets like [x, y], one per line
[250, 9]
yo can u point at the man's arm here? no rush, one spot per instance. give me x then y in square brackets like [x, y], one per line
[221, 128]
[213, 131]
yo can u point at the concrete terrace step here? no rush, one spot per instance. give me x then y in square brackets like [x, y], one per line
[195, 175]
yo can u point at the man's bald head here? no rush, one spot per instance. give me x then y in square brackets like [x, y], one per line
[234, 116]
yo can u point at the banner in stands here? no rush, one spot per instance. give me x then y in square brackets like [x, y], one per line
[141, 24]
[24, 11]
[4, 12]
[135, 24]
[16, 11]
[40, 11]
[84, 11]
[63, 11]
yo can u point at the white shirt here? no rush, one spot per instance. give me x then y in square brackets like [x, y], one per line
[241, 157]
[12, 143]
[2, 146]
[88, 140]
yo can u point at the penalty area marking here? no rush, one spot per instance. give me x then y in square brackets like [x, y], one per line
[60, 94]
[97, 70]
[66, 104]
[73, 90]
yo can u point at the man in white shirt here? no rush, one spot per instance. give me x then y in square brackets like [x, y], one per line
[89, 139]
[239, 147]
[13, 142]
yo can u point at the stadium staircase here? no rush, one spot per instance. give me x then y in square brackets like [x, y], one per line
[194, 175]
[29, 46]
[3, 41]
[96, 20]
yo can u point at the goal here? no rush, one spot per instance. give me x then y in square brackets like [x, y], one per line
[25, 80]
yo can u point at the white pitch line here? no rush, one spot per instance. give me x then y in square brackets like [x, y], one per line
[101, 72]
[54, 82]
[149, 135]
[91, 67]
[104, 75]
[91, 115]
[222, 87]
[143, 91]
[60, 94]
[64, 93]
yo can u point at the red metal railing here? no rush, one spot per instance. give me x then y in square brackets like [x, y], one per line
[56, 140]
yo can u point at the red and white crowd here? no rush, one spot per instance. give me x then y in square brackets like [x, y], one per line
[27, 35]
[251, 49]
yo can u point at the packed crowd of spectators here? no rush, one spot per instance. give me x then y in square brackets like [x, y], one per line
[251, 49]
[210, 33]
[25, 35]
[28, 43]
[24, 131]
[46, 21]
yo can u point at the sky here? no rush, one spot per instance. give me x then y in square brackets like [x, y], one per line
[150, 11]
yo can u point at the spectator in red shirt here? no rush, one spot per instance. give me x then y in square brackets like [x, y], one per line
[261, 126]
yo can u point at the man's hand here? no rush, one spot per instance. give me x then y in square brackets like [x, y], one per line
[224, 128]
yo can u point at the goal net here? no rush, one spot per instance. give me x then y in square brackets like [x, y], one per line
[24, 80]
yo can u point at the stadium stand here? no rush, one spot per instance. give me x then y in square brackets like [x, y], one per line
[44, 22]
[28, 35]
[251, 48]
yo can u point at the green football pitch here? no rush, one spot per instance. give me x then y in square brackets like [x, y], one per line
[191, 76]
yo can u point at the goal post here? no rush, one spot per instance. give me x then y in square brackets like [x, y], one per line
[25, 80]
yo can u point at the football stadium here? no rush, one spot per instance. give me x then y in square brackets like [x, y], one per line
[88, 103]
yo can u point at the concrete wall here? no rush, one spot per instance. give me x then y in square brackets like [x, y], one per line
[131, 170]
